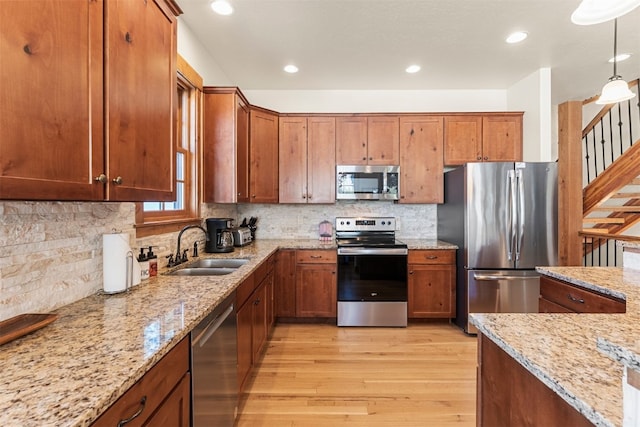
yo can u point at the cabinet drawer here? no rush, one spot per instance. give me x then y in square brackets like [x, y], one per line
[316, 256]
[578, 299]
[432, 256]
[546, 306]
[153, 387]
[244, 290]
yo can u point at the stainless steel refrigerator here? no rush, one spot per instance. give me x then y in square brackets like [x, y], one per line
[503, 218]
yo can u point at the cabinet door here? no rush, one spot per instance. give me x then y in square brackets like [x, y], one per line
[293, 160]
[351, 140]
[140, 79]
[51, 107]
[174, 411]
[321, 160]
[462, 139]
[244, 316]
[263, 157]
[225, 148]
[316, 290]
[285, 283]
[383, 138]
[241, 171]
[421, 166]
[431, 291]
[502, 138]
[259, 320]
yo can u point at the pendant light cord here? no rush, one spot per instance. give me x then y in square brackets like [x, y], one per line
[615, 48]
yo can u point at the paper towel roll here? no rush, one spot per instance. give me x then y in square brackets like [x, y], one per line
[117, 263]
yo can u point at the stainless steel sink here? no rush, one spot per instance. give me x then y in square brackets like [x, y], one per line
[203, 271]
[211, 267]
[219, 263]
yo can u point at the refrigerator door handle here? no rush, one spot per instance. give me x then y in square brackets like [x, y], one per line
[511, 225]
[520, 213]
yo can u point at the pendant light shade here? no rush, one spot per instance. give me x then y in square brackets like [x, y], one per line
[616, 90]
[591, 12]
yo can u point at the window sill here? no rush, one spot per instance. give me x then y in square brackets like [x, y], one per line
[163, 227]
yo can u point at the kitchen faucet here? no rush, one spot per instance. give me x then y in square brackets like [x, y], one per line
[180, 258]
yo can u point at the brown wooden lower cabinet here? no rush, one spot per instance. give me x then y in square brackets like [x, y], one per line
[161, 397]
[557, 296]
[255, 318]
[316, 283]
[509, 395]
[432, 284]
[285, 283]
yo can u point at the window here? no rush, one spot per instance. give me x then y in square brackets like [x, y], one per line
[162, 217]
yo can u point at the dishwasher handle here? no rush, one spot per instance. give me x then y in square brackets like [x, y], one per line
[213, 326]
[496, 277]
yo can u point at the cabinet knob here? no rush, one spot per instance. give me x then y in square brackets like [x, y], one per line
[117, 180]
[253, 195]
[364, 158]
[486, 158]
[304, 196]
[309, 196]
[102, 178]
[411, 272]
[479, 158]
[371, 158]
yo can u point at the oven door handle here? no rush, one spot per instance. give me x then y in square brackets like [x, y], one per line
[372, 251]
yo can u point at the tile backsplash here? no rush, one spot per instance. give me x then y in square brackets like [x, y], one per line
[51, 252]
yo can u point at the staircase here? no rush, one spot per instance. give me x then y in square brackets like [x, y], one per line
[611, 180]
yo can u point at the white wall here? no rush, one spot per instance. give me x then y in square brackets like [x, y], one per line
[371, 101]
[533, 96]
[195, 53]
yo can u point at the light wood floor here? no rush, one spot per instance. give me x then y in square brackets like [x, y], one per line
[322, 375]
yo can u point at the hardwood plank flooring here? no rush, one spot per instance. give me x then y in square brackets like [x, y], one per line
[322, 375]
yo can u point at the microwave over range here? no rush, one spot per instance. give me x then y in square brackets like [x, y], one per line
[367, 182]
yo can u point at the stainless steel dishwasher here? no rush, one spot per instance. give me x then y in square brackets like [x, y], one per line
[214, 374]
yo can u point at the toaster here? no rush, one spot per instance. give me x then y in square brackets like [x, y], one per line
[241, 236]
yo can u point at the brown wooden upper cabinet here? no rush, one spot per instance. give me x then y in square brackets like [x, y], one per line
[421, 166]
[263, 155]
[225, 172]
[307, 159]
[88, 100]
[367, 140]
[482, 138]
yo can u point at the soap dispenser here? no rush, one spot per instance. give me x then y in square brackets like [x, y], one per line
[153, 262]
[144, 265]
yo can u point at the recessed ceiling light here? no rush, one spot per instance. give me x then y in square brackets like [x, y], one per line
[291, 69]
[621, 57]
[221, 7]
[516, 37]
[412, 69]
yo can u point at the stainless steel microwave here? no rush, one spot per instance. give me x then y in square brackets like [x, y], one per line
[355, 182]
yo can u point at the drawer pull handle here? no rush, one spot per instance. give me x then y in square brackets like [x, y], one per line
[316, 256]
[432, 257]
[143, 402]
[574, 299]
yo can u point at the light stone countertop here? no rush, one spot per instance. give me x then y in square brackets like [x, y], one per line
[577, 355]
[71, 371]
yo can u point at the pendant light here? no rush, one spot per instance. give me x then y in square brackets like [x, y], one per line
[596, 11]
[616, 90]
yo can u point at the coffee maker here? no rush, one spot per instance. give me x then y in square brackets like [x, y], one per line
[220, 235]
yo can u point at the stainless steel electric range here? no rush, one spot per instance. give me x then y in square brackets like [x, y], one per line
[372, 273]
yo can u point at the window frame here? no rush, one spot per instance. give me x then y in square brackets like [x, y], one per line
[159, 222]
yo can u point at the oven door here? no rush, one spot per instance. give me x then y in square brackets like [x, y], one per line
[372, 275]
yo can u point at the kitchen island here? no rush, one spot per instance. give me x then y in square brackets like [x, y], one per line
[577, 356]
[71, 371]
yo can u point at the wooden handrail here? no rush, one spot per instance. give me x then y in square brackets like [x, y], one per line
[609, 236]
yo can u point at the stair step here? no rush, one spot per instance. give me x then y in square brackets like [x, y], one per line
[595, 230]
[622, 195]
[607, 220]
[630, 209]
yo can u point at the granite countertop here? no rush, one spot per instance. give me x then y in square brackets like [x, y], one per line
[71, 371]
[579, 356]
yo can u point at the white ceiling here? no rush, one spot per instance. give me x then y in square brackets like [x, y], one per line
[367, 44]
